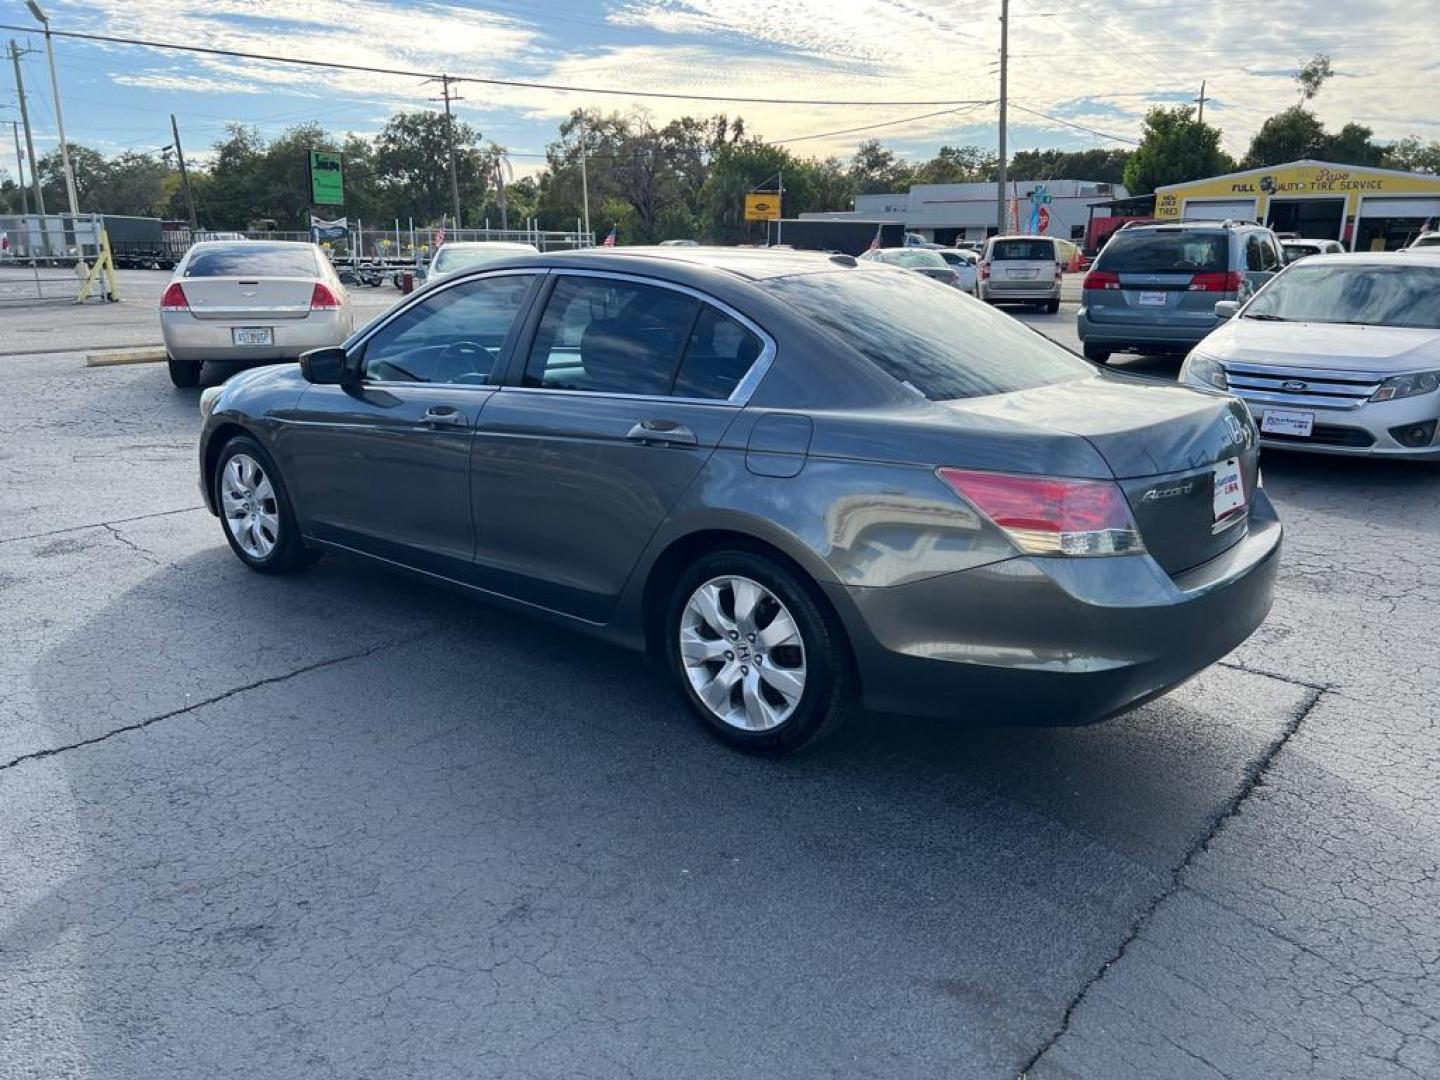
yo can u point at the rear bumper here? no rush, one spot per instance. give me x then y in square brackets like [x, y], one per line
[1119, 335]
[1019, 291]
[192, 339]
[1057, 641]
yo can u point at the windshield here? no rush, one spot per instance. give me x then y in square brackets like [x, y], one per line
[1372, 294]
[916, 259]
[458, 258]
[941, 345]
[251, 259]
[1023, 251]
[1178, 251]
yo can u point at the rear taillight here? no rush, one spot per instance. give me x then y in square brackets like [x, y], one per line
[1047, 515]
[322, 299]
[1218, 281]
[174, 298]
[984, 271]
[1101, 279]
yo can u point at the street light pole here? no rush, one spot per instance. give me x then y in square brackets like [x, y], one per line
[36, 10]
[585, 185]
[20, 168]
[1001, 174]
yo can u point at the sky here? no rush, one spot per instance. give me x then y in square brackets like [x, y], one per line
[1084, 64]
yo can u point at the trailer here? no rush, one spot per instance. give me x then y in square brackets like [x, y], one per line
[844, 236]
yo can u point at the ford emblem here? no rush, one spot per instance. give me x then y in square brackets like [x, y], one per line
[1294, 386]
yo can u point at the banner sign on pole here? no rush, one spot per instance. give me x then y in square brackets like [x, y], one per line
[339, 229]
[762, 206]
[327, 178]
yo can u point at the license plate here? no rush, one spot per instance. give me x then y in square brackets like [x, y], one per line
[252, 335]
[1023, 274]
[1287, 422]
[1229, 488]
[1152, 299]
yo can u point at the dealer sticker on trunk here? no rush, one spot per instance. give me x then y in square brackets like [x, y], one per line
[1229, 489]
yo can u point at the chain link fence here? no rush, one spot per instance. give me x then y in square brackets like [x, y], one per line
[46, 256]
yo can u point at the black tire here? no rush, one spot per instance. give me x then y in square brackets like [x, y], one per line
[289, 553]
[183, 373]
[828, 672]
[1096, 354]
[1052, 306]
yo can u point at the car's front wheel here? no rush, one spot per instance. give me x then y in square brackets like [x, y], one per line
[255, 510]
[760, 662]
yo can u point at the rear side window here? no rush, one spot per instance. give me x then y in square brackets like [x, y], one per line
[1022, 251]
[1179, 251]
[939, 345]
[719, 353]
[1260, 253]
[253, 260]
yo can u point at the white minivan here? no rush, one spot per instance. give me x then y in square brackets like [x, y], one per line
[1021, 270]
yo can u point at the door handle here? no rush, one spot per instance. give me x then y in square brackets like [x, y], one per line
[445, 416]
[662, 433]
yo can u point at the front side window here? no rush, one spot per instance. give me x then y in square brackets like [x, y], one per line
[1366, 294]
[452, 336]
[935, 344]
[609, 336]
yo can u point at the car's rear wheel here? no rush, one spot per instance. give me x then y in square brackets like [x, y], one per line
[1096, 354]
[255, 510]
[1052, 306]
[184, 373]
[760, 662]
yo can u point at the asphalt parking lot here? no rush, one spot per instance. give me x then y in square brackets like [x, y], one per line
[346, 825]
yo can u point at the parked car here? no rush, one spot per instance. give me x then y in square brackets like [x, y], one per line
[250, 300]
[679, 243]
[1425, 240]
[1021, 269]
[922, 260]
[461, 255]
[965, 265]
[1294, 250]
[1153, 288]
[799, 479]
[1340, 354]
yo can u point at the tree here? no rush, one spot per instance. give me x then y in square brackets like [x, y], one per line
[877, 171]
[89, 169]
[411, 166]
[1412, 155]
[1174, 147]
[1103, 166]
[1298, 133]
[1313, 75]
[956, 165]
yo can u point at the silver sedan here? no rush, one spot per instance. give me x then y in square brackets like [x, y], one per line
[268, 300]
[1339, 354]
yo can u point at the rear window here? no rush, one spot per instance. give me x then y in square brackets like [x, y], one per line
[916, 259]
[939, 344]
[1023, 251]
[1180, 251]
[252, 260]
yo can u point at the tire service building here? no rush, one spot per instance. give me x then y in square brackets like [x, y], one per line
[1365, 208]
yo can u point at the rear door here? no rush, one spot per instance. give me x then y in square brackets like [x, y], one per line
[626, 388]
[1263, 260]
[384, 465]
[1022, 264]
[1169, 276]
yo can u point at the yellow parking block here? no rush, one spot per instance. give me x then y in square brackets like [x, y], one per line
[124, 356]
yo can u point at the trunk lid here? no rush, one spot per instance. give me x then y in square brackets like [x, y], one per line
[1166, 446]
[249, 298]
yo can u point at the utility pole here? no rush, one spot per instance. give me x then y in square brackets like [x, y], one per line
[15, 53]
[1201, 100]
[450, 145]
[1001, 175]
[585, 184]
[44, 19]
[184, 174]
[780, 221]
[20, 167]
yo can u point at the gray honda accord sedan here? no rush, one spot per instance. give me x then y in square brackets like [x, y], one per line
[800, 480]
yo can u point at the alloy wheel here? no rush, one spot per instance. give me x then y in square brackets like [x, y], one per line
[742, 653]
[248, 502]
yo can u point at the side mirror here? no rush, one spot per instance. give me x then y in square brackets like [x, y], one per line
[1226, 309]
[329, 366]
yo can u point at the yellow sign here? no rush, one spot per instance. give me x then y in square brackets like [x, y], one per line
[1301, 180]
[762, 206]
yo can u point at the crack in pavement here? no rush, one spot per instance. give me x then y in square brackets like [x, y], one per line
[270, 680]
[1233, 666]
[100, 524]
[1254, 774]
[122, 538]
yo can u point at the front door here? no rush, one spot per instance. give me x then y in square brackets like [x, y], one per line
[386, 462]
[626, 391]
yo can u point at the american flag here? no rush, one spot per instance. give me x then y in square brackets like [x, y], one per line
[875, 243]
[439, 236]
[609, 240]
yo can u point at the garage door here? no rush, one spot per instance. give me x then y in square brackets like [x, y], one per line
[1219, 209]
[1398, 207]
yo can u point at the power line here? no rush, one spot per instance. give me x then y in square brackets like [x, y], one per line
[873, 127]
[335, 65]
[1071, 124]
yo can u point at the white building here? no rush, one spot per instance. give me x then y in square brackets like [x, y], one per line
[945, 213]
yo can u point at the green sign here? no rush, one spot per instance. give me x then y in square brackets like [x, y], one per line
[327, 179]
